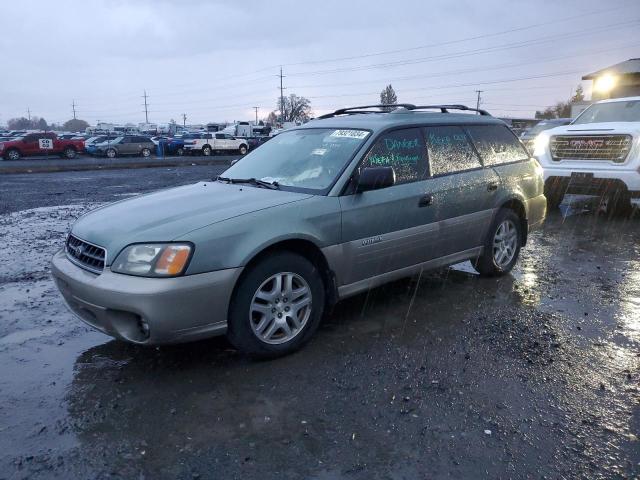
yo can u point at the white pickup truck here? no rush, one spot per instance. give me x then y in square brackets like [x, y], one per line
[210, 143]
[598, 154]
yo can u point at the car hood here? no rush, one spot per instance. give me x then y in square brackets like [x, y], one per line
[168, 214]
[631, 128]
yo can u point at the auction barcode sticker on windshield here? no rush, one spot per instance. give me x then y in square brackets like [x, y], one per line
[359, 134]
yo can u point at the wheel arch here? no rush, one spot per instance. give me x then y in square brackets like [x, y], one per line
[517, 205]
[305, 248]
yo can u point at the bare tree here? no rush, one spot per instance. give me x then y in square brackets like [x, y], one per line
[388, 96]
[75, 125]
[295, 109]
[561, 109]
[26, 124]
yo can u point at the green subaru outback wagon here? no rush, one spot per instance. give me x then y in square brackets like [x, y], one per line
[345, 203]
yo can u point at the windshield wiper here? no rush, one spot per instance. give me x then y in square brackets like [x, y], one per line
[251, 181]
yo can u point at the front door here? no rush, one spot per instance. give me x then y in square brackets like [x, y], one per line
[390, 228]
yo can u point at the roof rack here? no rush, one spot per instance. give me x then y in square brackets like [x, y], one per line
[407, 106]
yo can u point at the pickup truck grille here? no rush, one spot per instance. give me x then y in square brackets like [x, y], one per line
[611, 148]
[86, 255]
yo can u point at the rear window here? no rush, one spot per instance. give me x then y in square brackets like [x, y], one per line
[496, 144]
[449, 150]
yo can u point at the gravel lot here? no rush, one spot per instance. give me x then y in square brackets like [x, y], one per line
[533, 375]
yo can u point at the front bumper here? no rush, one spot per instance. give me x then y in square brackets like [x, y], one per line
[536, 212]
[628, 176]
[176, 309]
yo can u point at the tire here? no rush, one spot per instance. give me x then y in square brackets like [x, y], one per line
[111, 153]
[261, 323]
[180, 152]
[69, 153]
[145, 152]
[554, 191]
[500, 256]
[206, 150]
[619, 204]
[243, 149]
[13, 154]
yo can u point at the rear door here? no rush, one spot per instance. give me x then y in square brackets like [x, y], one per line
[391, 228]
[463, 189]
[501, 150]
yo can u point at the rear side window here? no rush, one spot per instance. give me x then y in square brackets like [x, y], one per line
[496, 144]
[401, 149]
[450, 150]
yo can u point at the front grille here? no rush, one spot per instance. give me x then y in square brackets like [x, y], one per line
[86, 255]
[611, 148]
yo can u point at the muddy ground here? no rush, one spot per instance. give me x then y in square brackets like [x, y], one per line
[533, 375]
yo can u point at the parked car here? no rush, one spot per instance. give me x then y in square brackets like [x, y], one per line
[30, 144]
[528, 136]
[126, 145]
[597, 154]
[210, 143]
[319, 213]
[91, 145]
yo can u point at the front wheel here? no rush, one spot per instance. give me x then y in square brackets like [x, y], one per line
[13, 155]
[146, 152]
[277, 306]
[111, 153]
[206, 150]
[503, 244]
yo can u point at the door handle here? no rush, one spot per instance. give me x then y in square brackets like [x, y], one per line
[425, 200]
[492, 187]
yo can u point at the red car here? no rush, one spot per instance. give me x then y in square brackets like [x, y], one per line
[40, 144]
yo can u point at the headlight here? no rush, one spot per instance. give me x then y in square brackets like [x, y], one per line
[153, 260]
[540, 144]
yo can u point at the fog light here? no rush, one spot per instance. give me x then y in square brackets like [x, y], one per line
[144, 328]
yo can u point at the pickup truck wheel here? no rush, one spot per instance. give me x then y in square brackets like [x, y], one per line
[146, 152]
[206, 150]
[277, 306]
[243, 149]
[502, 246]
[111, 153]
[69, 153]
[13, 154]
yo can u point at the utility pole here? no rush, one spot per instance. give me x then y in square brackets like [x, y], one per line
[281, 96]
[184, 119]
[73, 106]
[146, 107]
[478, 101]
[29, 113]
[256, 109]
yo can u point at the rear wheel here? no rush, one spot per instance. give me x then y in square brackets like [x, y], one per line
[180, 152]
[146, 152]
[503, 244]
[277, 306]
[618, 204]
[69, 152]
[206, 150]
[243, 149]
[111, 153]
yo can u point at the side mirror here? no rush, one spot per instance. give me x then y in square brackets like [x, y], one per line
[374, 178]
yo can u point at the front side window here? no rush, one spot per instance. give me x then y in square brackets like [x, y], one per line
[401, 149]
[308, 159]
[496, 144]
[449, 150]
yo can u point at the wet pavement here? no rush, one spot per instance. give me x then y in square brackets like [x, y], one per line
[532, 375]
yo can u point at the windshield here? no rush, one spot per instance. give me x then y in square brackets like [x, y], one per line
[544, 126]
[610, 112]
[308, 159]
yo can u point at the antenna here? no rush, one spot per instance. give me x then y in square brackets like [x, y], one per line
[478, 101]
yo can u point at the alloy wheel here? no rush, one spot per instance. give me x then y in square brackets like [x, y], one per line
[280, 308]
[505, 243]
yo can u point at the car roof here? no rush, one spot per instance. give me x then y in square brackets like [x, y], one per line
[619, 99]
[378, 121]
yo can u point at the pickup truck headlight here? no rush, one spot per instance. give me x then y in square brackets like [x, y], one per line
[153, 259]
[540, 144]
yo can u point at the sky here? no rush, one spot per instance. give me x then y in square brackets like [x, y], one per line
[215, 61]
